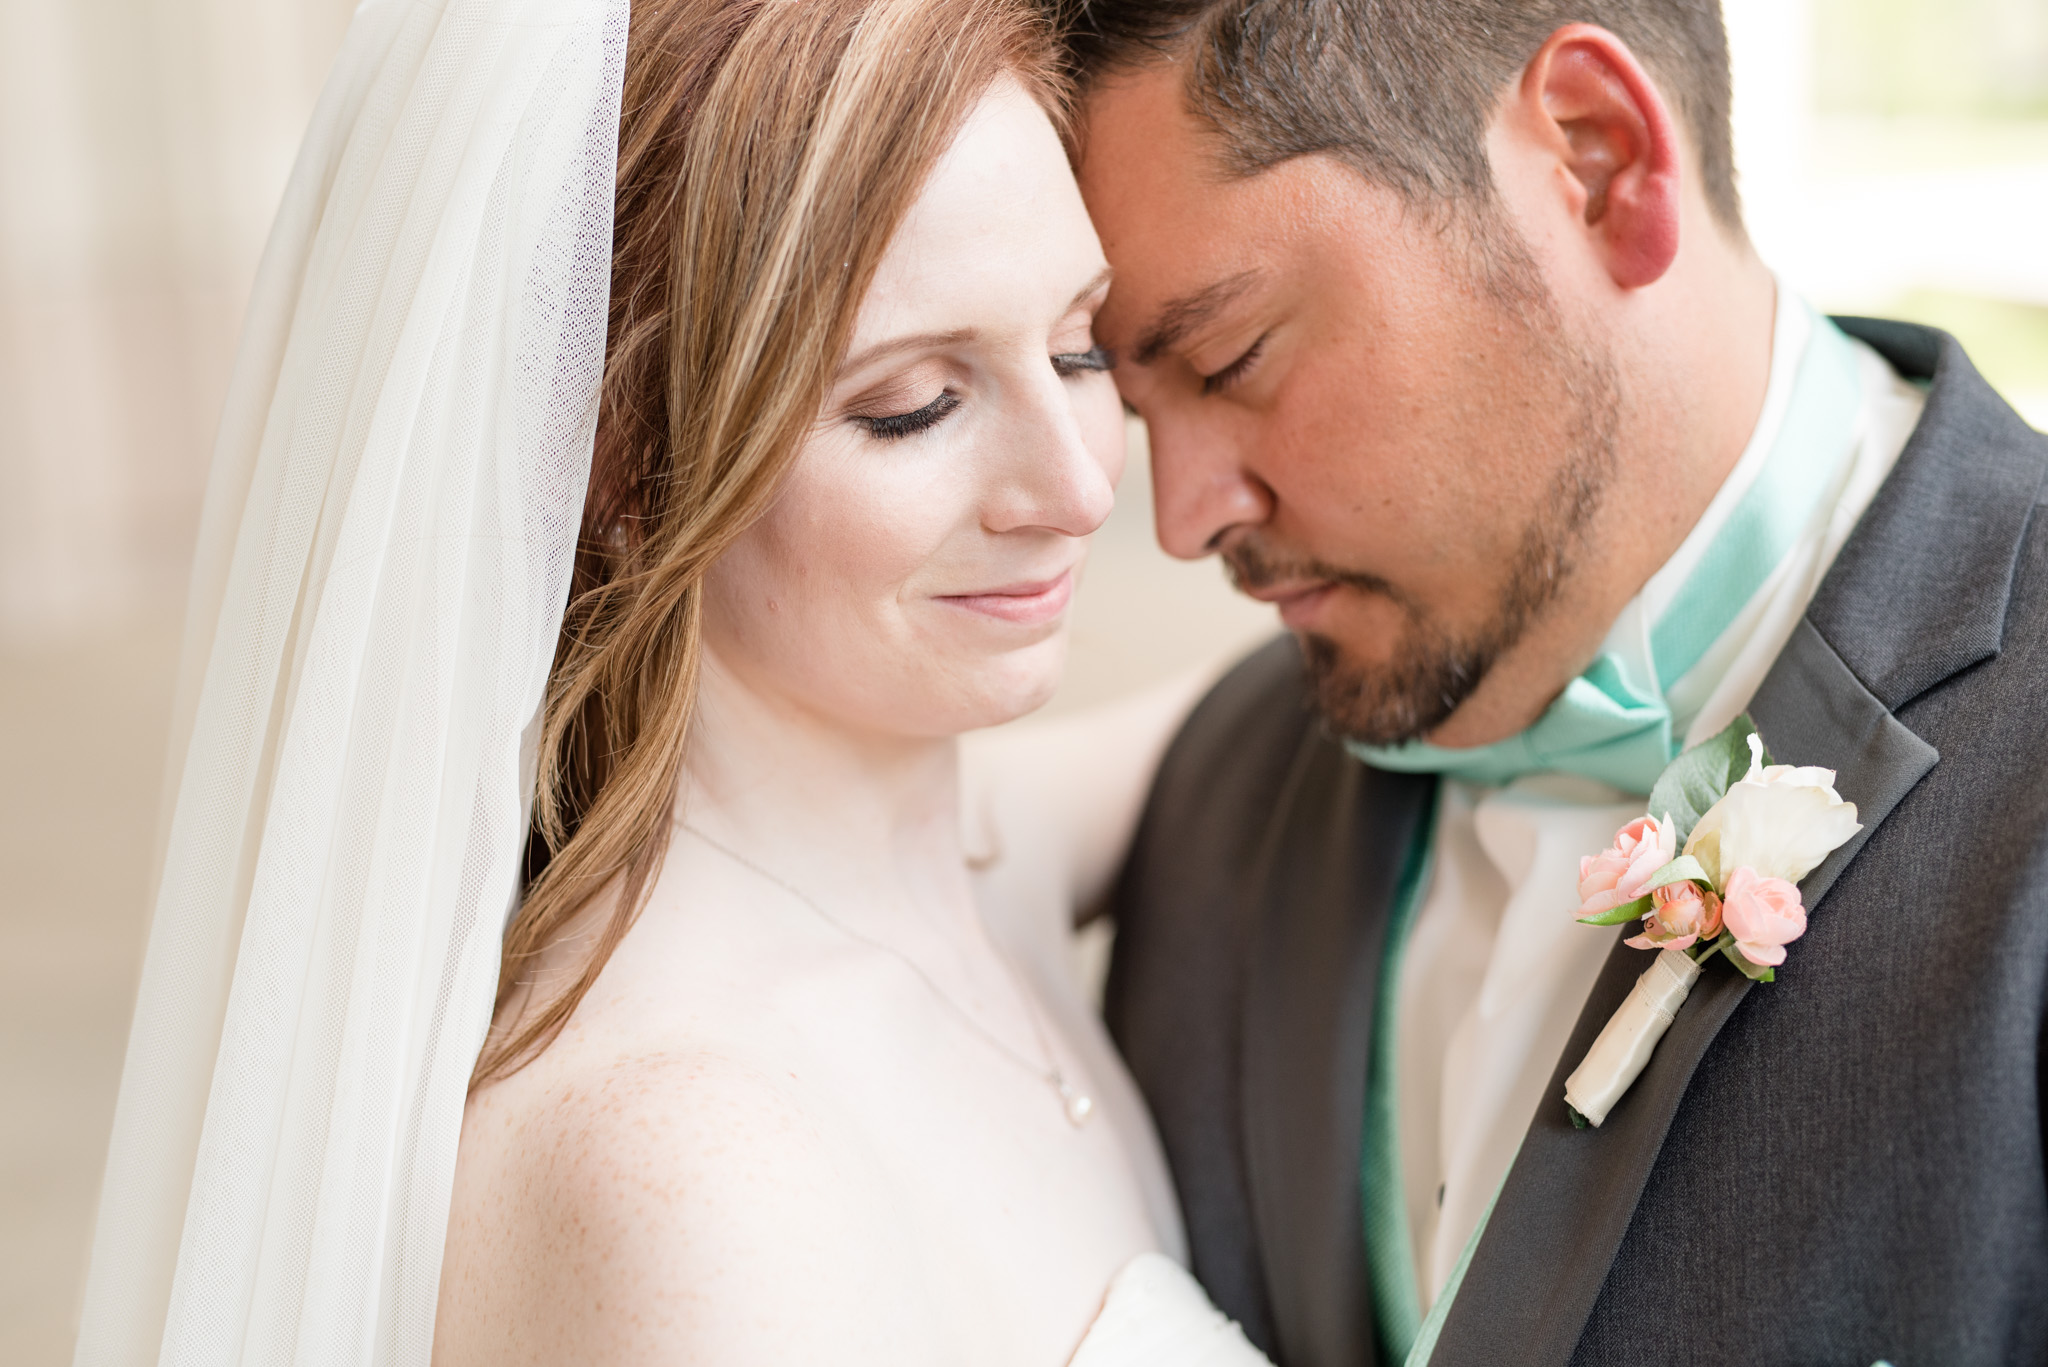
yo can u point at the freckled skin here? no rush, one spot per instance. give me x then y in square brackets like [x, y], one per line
[760, 1140]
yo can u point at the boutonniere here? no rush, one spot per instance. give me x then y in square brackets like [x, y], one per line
[1717, 873]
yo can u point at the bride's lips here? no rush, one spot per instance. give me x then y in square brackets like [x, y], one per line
[1027, 603]
[1299, 602]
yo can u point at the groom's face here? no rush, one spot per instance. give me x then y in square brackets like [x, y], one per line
[1379, 417]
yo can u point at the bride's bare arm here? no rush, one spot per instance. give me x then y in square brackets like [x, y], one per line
[1050, 806]
[674, 1209]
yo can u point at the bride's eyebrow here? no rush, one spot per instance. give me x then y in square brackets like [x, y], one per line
[1095, 284]
[931, 341]
[889, 346]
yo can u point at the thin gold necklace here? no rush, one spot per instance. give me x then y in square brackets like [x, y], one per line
[1077, 1104]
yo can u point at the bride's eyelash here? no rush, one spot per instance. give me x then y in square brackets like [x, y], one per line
[1069, 363]
[1235, 371]
[891, 426]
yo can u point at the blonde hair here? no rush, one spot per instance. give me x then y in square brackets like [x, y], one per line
[767, 151]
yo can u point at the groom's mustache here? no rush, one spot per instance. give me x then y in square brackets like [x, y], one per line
[1254, 565]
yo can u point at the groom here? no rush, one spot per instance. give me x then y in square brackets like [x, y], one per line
[1452, 345]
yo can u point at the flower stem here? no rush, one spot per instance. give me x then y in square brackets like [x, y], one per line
[1708, 951]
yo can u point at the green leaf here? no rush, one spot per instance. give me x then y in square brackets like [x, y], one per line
[1756, 972]
[1678, 871]
[1579, 1122]
[1627, 911]
[1696, 779]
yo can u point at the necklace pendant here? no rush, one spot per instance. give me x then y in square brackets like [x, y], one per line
[1078, 1103]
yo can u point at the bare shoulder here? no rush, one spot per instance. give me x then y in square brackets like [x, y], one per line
[665, 1207]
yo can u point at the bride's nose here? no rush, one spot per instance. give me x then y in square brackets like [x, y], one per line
[1049, 474]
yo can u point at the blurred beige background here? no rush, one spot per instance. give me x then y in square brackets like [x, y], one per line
[1894, 157]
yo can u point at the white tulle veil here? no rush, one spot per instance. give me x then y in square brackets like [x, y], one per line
[382, 570]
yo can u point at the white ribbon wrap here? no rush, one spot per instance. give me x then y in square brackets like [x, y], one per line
[1619, 1055]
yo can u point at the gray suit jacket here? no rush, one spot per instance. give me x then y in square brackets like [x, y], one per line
[1842, 1166]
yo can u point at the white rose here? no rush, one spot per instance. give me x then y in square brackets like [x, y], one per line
[1780, 820]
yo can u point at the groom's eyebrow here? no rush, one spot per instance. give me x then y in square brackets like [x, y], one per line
[1184, 314]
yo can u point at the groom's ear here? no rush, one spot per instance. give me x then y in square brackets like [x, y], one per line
[1589, 113]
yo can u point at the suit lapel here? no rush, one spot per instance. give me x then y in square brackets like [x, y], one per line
[1577, 1189]
[1918, 594]
[1330, 866]
[1812, 710]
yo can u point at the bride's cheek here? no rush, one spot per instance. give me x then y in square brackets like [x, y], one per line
[1104, 432]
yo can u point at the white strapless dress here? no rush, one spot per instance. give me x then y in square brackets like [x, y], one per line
[1156, 1315]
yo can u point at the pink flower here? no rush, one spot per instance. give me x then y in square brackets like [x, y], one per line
[1681, 913]
[1619, 873]
[1764, 914]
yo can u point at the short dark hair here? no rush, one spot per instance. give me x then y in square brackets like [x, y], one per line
[1401, 89]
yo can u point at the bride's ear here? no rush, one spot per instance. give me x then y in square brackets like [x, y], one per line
[1608, 145]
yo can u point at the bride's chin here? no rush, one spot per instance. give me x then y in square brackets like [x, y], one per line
[1017, 682]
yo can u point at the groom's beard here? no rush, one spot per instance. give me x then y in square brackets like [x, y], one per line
[1434, 669]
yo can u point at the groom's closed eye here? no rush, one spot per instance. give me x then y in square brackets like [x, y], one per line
[1223, 379]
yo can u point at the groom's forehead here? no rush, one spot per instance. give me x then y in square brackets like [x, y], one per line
[1191, 237]
[1137, 137]
[1168, 214]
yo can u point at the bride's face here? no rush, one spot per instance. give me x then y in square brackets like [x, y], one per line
[914, 574]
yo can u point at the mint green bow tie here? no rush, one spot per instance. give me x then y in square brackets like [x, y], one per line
[1601, 726]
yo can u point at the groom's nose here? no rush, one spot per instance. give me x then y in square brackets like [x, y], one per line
[1201, 488]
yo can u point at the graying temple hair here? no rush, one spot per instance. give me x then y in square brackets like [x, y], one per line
[1400, 89]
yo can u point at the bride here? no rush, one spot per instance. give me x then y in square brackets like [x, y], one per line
[778, 1056]
[824, 1098]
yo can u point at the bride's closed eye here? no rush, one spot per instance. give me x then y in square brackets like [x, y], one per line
[1071, 363]
[893, 426]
